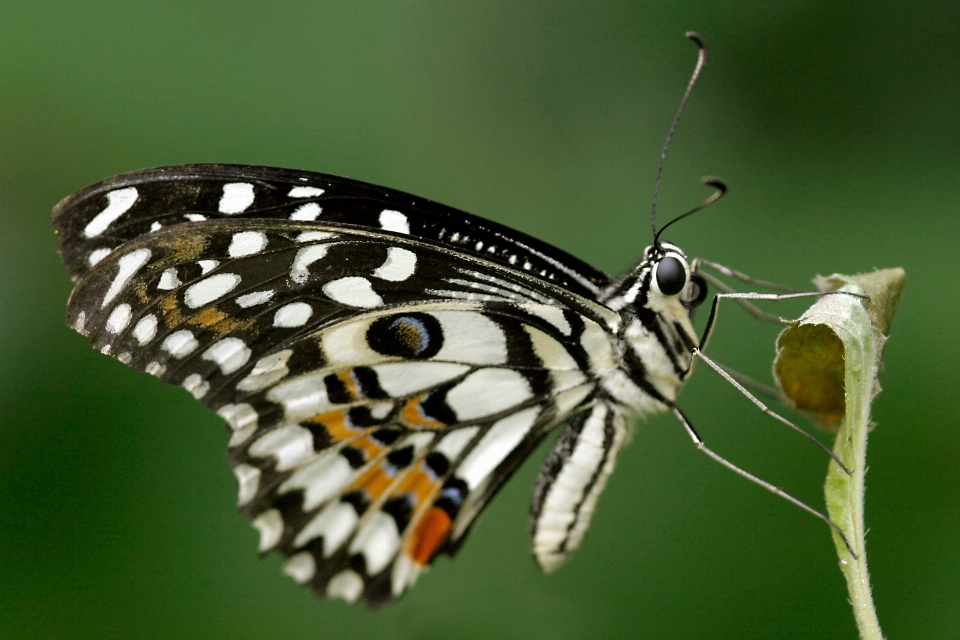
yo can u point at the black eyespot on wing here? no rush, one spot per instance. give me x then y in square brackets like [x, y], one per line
[671, 276]
[413, 336]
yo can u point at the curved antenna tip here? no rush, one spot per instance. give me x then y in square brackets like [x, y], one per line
[710, 181]
[696, 37]
[715, 182]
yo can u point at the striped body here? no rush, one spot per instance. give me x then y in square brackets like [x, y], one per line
[384, 363]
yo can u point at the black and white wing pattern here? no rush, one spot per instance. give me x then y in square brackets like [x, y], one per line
[384, 362]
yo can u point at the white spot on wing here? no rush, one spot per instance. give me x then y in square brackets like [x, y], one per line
[347, 585]
[290, 445]
[156, 226]
[301, 567]
[242, 419]
[119, 318]
[496, 444]
[300, 270]
[405, 572]
[453, 443]
[292, 315]
[169, 279]
[128, 267]
[310, 236]
[399, 265]
[268, 370]
[206, 266]
[488, 391]
[377, 541]
[248, 478]
[255, 298]
[305, 192]
[306, 212]
[196, 385]
[180, 344]
[155, 369]
[320, 480]
[301, 397]
[118, 203]
[208, 290]
[470, 337]
[270, 525]
[229, 354]
[97, 255]
[247, 243]
[553, 315]
[237, 196]
[403, 378]
[145, 329]
[353, 291]
[394, 221]
[346, 345]
[552, 354]
[195, 217]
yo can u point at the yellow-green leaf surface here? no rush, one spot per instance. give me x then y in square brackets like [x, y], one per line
[827, 364]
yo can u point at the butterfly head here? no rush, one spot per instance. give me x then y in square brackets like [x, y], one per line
[662, 283]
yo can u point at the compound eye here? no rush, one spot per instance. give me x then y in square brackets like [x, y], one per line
[671, 276]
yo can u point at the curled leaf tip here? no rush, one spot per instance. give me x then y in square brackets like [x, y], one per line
[810, 366]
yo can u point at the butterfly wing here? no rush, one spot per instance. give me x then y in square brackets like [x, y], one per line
[95, 221]
[380, 388]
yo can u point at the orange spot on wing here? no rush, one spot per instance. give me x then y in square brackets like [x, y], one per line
[338, 425]
[346, 377]
[171, 310]
[376, 481]
[430, 534]
[215, 320]
[413, 416]
[140, 288]
[207, 318]
[182, 248]
[419, 483]
[370, 447]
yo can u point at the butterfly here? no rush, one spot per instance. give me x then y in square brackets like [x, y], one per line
[384, 363]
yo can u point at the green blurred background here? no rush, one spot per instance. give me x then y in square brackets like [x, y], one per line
[836, 126]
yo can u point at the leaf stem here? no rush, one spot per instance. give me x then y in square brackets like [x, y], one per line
[845, 493]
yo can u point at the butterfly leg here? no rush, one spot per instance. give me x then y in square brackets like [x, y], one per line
[773, 414]
[698, 442]
[755, 386]
[738, 275]
[740, 297]
[698, 353]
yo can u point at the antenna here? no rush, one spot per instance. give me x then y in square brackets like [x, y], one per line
[701, 60]
[710, 181]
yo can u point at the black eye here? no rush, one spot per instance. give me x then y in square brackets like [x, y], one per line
[671, 276]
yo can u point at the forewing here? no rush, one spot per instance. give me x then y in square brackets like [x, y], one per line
[99, 219]
[380, 389]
